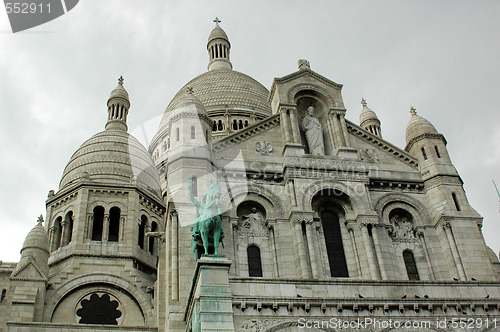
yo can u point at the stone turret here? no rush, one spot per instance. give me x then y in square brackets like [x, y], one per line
[118, 106]
[369, 121]
[218, 49]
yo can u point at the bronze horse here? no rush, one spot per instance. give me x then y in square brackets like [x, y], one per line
[207, 230]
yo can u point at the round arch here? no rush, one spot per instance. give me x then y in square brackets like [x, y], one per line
[328, 98]
[357, 206]
[386, 203]
[142, 299]
[256, 193]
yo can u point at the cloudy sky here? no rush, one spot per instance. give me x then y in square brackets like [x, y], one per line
[440, 56]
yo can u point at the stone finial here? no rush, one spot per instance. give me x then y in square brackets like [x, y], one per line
[217, 21]
[189, 90]
[304, 64]
[363, 102]
[413, 110]
[120, 80]
[40, 219]
[50, 194]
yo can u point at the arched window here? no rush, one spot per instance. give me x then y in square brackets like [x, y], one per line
[423, 153]
[240, 124]
[214, 126]
[154, 227]
[235, 124]
[68, 232]
[194, 186]
[254, 261]
[193, 132]
[246, 123]
[219, 125]
[4, 293]
[98, 223]
[114, 224]
[142, 227]
[411, 266]
[56, 237]
[177, 134]
[168, 143]
[455, 200]
[437, 151]
[334, 245]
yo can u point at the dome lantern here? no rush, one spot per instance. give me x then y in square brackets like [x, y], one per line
[118, 106]
[368, 120]
[218, 49]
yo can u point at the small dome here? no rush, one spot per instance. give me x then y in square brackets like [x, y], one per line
[367, 114]
[224, 89]
[119, 91]
[37, 238]
[112, 157]
[217, 32]
[418, 126]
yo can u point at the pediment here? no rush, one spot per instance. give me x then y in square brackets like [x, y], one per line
[285, 90]
[28, 271]
[373, 145]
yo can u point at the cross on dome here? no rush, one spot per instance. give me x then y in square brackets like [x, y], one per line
[120, 80]
[413, 110]
[363, 102]
[217, 21]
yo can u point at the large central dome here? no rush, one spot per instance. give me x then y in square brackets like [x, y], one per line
[225, 89]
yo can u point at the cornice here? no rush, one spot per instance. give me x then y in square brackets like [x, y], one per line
[244, 134]
[383, 144]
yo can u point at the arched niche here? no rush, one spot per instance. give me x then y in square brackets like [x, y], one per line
[66, 298]
[305, 99]
[116, 306]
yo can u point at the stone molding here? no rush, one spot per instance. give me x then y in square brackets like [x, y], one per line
[377, 141]
[142, 298]
[246, 133]
[258, 190]
[422, 136]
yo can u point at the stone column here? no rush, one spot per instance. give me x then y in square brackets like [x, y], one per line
[291, 191]
[295, 125]
[286, 125]
[344, 130]
[331, 130]
[370, 255]
[236, 265]
[338, 130]
[454, 251]
[105, 229]
[175, 255]
[378, 252]
[355, 250]
[274, 253]
[311, 240]
[421, 238]
[301, 249]
[209, 306]
[64, 226]
[52, 238]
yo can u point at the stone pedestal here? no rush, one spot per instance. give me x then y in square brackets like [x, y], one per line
[210, 301]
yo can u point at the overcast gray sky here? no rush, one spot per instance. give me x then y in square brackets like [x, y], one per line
[440, 56]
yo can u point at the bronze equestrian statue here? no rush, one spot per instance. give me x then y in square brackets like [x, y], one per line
[207, 230]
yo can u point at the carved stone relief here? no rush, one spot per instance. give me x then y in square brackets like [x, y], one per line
[252, 222]
[368, 155]
[403, 229]
[263, 147]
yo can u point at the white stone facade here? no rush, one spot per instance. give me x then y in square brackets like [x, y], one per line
[363, 229]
